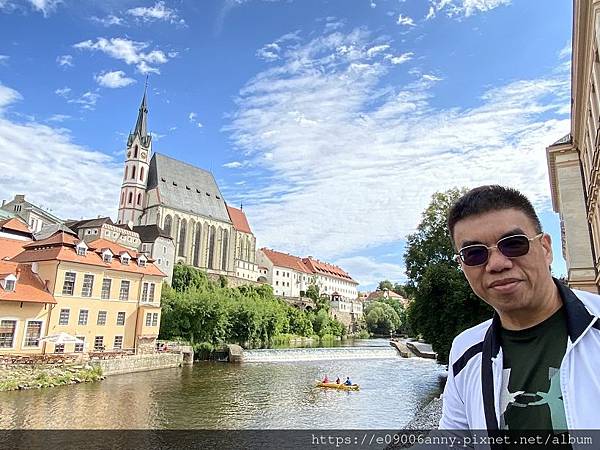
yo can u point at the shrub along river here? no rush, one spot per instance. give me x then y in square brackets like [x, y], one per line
[272, 389]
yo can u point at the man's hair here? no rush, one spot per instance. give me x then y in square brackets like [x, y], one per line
[488, 198]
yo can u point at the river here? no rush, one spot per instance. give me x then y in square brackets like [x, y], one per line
[275, 389]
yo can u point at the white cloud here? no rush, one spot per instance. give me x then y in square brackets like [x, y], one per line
[373, 154]
[63, 92]
[369, 272]
[405, 20]
[65, 60]
[131, 52]
[400, 59]
[58, 118]
[373, 4]
[565, 52]
[192, 116]
[82, 182]
[115, 79]
[200, 125]
[87, 100]
[4, 59]
[233, 165]
[269, 52]
[158, 12]
[109, 20]
[45, 6]
[376, 49]
[463, 8]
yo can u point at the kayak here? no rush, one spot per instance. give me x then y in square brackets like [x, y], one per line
[342, 387]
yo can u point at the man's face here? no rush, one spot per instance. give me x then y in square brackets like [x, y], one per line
[509, 285]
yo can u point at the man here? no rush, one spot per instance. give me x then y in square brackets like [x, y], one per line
[536, 364]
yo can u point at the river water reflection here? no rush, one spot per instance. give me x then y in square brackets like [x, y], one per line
[275, 391]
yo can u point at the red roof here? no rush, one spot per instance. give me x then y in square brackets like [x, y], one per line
[11, 247]
[240, 222]
[29, 286]
[317, 266]
[284, 260]
[100, 244]
[15, 224]
[58, 238]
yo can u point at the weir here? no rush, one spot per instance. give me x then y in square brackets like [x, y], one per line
[319, 354]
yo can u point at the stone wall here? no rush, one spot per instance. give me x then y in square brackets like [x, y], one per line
[139, 363]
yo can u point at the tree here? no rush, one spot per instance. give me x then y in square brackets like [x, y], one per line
[385, 284]
[400, 290]
[381, 318]
[443, 303]
[313, 292]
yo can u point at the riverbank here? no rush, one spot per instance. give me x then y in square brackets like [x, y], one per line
[23, 377]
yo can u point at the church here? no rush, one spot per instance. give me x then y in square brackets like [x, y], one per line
[186, 203]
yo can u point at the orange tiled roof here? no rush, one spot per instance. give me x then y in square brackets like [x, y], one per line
[284, 260]
[15, 224]
[29, 287]
[11, 247]
[58, 238]
[240, 222]
[317, 266]
[100, 244]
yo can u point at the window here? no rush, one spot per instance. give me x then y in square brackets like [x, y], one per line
[125, 259]
[276, 283]
[63, 318]
[59, 348]
[145, 293]
[133, 173]
[7, 333]
[83, 317]
[88, 284]
[142, 174]
[139, 199]
[277, 272]
[118, 343]
[79, 345]
[151, 293]
[142, 262]
[124, 293]
[101, 318]
[107, 257]
[121, 318]
[69, 285]
[9, 285]
[33, 332]
[81, 250]
[154, 319]
[148, 319]
[106, 288]
[99, 343]
[130, 198]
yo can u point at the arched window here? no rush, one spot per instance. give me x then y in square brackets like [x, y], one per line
[141, 174]
[122, 197]
[167, 225]
[211, 247]
[181, 251]
[133, 173]
[225, 245]
[130, 198]
[197, 244]
[139, 199]
[125, 172]
[135, 151]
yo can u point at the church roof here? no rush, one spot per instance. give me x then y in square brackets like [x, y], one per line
[185, 187]
[240, 222]
[149, 233]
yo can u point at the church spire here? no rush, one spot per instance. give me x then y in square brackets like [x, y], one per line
[141, 125]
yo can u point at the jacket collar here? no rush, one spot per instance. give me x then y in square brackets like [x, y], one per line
[578, 320]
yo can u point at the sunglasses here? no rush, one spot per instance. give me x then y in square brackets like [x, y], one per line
[510, 246]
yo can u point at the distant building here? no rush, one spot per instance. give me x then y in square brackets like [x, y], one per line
[244, 244]
[103, 227]
[105, 294]
[331, 279]
[574, 160]
[383, 294]
[35, 217]
[287, 274]
[157, 245]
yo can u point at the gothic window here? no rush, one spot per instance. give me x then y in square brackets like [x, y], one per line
[247, 249]
[141, 174]
[139, 199]
[167, 225]
[133, 173]
[225, 245]
[126, 172]
[197, 243]
[242, 248]
[130, 198]
[182, 238]
[135, 151]
[211, 247]
[122, 197]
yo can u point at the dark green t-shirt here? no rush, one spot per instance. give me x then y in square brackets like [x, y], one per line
[531, 398]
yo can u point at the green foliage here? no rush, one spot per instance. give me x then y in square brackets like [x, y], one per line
[381, 318]
[209, 314]
[443, 302]
[385, 284]
[313, 292]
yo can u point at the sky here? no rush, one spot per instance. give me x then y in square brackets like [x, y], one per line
[331, 121]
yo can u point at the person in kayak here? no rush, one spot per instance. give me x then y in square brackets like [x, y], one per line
[325, 380]
[348, 382]
[338, 381]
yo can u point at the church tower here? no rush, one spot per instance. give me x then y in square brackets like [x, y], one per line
[137, 162]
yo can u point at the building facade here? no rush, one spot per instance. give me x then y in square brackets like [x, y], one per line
[35, 217]
[103, 227]
[287, 274]
[574, 160]
[244, 246]
[179, 198]
[157, 245]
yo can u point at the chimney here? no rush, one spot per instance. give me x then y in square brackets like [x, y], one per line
[3, 202]
[20, 198]
[18, 272]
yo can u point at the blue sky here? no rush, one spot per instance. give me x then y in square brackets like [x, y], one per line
[333, 121]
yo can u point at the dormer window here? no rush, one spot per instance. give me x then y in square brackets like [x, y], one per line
[142, 261]
[125, 259]
[81, 249]
[107, 256]
[9, 283]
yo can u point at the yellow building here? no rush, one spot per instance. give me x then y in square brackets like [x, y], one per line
[574, 160]
[105, 294]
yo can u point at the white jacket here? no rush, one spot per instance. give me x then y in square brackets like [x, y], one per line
[472, 394]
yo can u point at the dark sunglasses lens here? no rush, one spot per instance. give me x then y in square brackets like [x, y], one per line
[474, 256]
[514, 246]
